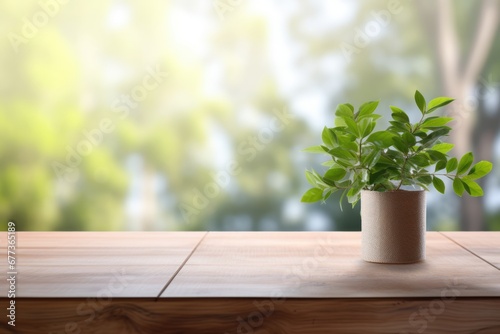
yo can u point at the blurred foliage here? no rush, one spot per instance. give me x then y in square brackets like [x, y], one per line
[227, 75]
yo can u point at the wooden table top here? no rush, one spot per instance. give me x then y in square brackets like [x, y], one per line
[245, 264]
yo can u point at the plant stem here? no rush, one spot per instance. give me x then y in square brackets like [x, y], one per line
[359, 153]
[402, 174]
[418, 124]
[408, 155]
[451, 176]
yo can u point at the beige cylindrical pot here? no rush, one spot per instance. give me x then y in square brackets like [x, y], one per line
[393, 226]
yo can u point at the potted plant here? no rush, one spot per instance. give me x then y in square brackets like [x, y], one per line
[389, 171]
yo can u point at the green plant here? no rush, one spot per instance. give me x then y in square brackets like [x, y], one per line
[402, 155]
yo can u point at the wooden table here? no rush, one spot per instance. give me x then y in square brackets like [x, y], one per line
[248, 282]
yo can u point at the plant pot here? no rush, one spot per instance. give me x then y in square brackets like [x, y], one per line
[393, 226]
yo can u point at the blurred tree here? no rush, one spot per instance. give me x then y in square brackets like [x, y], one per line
[224, 85]
[462, 46]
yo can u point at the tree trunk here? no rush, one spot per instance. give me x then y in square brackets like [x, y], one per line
[458, 78]
[148, 198]
[483, 140]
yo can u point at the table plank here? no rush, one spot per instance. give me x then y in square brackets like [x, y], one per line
[258, 316]
[100, 265]
[325, 265]
[298, 276]
[483, 244]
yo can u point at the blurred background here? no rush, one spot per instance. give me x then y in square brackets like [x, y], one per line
[191, 115]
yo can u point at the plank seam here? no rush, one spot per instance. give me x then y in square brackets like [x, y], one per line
[181, 266]
[476, 255]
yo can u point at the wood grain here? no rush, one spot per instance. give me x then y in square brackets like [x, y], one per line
[250, 282]
[94, 264]
[324, 265]
[484, 244]
[230, 316]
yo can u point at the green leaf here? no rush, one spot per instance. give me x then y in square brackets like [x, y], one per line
[341, 135]
[345, 163]
[472, 188]
[367, 109]
[434, 136]
[438, 184]
[425, 179]
[400, 117]
[436, 155]
[479, 170]
[342, 198]
[369, 129]
[342, 153]
[366, 127]
[339, 122]
[377, 177]
[345, 110]
[409, 139]
[440, 165]
[420, 101]
[312, 195]
[399, 144]
[458, 186]
[397, 110]
[315, 149]
[328, 137]
[323, 184]
[388, 185]
[382, 139]
[327, 195]
[373, 117]
[352, 126]
[465, 163]
[424, 186]
[335, 174]
[329, 163]
[350, 106]
[420, 160]
[435, 122]
[420, 134]
[393, 154]
[384, 162]
[443, 147]
[372, 158]
[354, 193]
[438, 102]
[398, 126]
[310, 178]
[451, 165]
[326, 184]
[350, 145]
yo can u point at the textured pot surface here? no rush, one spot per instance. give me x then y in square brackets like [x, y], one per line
[393, 226]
